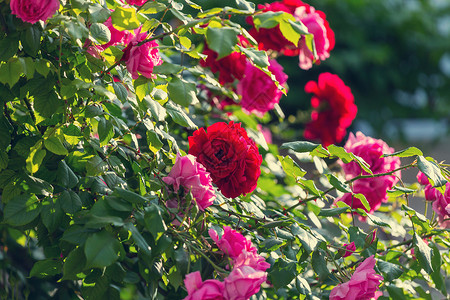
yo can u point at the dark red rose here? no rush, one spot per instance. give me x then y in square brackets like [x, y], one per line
[229, 155]
[333, 109]
[229, 67]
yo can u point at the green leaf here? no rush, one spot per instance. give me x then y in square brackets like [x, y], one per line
[363, 200]
[259, 58]
[182, 92]
[396, 293]
[308, 241]
[101, 250]
[179, 116]
[319, 264]
[70, 201]
[338, 184]
[330, 212]
[43, 66]
[437, 277]
[291, 167]
[153, 141]
[8, 46]
[139, 239]
[31, 40]
[10, 71]
[271, 244]
[222, 40]
[269, 19]
[102, 221]
[423, 253]
[34, 160]
[96, 166]
[432, 171]
[411, 151]
[167, 69]
[157, 110]
[47, 104]
[53, 144]
[105, 131]
[357, 236]
[300, 146]
[3, 160]
[282, 272]
[46, 268]
[121, 91]
[124, 18]
[74, 264]
[151, 7]
[154, 221]
[98, 14]
[65, 176]
[100, 33]
[390, 271]
[130, 196]
[51, 215]
[22, 210]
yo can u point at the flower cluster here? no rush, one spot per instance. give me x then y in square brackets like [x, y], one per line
[441, 202]
[314, 20]
[374, 189]
[32, 11]
[333, 109]
[363, 284]
[229, 155]
[192, 176]
[246, 277]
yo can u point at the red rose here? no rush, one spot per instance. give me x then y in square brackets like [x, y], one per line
[229, 155]
[229, 67]
[333, 109]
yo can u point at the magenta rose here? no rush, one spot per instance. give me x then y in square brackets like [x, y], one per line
[232, 242]
[210, 289]
[141, 58]
[32, 11]
[136, 2]
[374, 189]
[350, 249]
[243, 282]
[363, 284]
[193, 177]
[251, 259]
[118, 37]
[259, 93]
[317, 24]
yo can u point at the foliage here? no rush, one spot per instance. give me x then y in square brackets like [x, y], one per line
[84, 149]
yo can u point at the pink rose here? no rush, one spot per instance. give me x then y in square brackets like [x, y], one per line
[317, 24]
[362, 285]
[136, 2]
[350, 249]
[118, 37]
[243, 282]
[251, 259]
[422, 178]
[374, 189]
[441, 203]
[193, 177]
[198, 290]
[32, 11]
[141, 58]
[259, 93]
[232, 242]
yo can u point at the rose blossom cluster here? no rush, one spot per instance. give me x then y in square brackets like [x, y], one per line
[192, 176]
[441, 202]
[333, 109]
[32, 11]
[245, 278]
[362, 285]
[229, 155]
[139, 59]
[314, 20]
[375, 188]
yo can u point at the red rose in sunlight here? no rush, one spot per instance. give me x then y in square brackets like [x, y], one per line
[374, 189]
[259, 92]
[229, 155]
[32, 11]
[317, 24]
[141, 58]
[333, 109]
[230, 67]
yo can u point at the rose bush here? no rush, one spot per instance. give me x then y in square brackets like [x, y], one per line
[114, 137]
